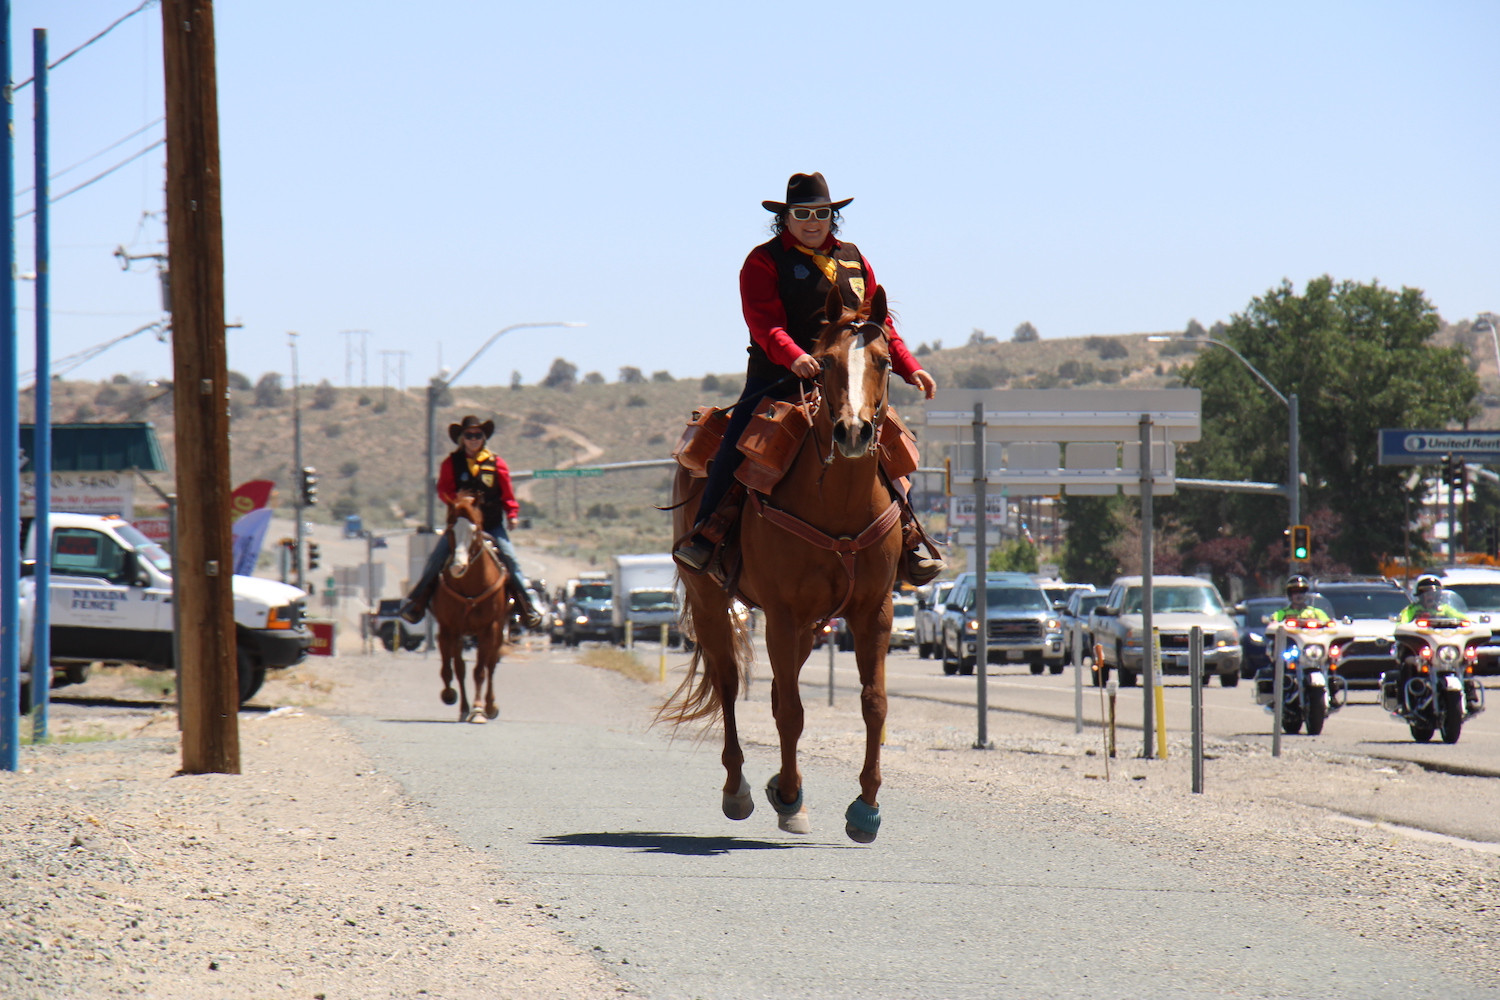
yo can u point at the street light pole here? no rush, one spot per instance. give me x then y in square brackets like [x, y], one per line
[1293, 433]
[435, 389]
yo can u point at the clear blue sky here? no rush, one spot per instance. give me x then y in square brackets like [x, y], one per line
[433, 173]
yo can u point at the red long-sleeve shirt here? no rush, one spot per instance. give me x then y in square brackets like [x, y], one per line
[447, 489]
[766, 316]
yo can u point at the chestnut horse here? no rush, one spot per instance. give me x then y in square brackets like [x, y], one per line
[821, 544]
[471, 600]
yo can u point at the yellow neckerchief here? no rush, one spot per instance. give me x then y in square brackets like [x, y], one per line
[474, 462]
[824, 262]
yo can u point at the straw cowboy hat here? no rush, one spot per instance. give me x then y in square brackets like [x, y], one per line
[806, 191]
[455, 431]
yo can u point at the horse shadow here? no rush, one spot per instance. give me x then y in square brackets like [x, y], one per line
[682, 845]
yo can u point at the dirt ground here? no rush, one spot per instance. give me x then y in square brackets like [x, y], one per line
[312, 875]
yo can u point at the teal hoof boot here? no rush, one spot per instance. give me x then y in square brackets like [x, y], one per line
[862, 822]
[741, 804]
[791, 817]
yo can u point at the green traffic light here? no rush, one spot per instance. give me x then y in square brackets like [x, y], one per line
[1300, 553]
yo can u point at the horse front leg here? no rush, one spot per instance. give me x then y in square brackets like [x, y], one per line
[490, 657]
[458, 673]
[787, 646]
[445, 651]
[871, 640]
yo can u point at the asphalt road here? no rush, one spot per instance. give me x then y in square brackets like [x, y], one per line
[1228, 713]
[619, 830]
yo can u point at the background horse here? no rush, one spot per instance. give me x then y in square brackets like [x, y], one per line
[820, 545]
[471, 600]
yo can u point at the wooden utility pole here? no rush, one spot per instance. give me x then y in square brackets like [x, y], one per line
[195, 235]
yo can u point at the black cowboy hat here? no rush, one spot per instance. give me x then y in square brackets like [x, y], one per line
[455, 431]
[806, 191]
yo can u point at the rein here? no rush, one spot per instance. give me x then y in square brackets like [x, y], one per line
[472, 602]
[846, 547]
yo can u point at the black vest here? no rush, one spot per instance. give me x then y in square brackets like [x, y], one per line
[804, 294]
[486, 484]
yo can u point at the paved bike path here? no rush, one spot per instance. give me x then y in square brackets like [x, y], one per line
[621, 832]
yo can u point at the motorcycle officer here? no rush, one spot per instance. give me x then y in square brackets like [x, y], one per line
[1297, 589]
[1429, 602]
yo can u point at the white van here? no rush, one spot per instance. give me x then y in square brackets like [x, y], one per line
[112, 603]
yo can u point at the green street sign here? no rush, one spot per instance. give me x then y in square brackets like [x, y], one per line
[565, 473]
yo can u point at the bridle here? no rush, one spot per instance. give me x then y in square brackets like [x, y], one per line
[822, 391]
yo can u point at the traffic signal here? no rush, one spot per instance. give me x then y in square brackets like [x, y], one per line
[312, 556]
[1301, 542]
[1458, 474]
[309, 486]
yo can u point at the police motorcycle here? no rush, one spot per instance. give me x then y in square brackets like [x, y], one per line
[1435, 690]
[1310, 689]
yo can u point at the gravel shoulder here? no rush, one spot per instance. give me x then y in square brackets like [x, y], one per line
[313, 874]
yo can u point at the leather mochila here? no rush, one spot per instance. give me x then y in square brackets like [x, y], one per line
[898, 447]
[700, 440]
[771, 441]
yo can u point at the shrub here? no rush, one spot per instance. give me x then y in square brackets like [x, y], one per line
[333, 430]
[324, 396]
[268, 391]
[238, 381]
[348, 469]
[636, 401]
[1108, 348]
[1025, 334]
[631, 376]
[593, 378]
[562, 375]
[662, 376]
[710, 383]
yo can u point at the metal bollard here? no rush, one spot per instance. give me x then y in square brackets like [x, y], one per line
[1278, 688]
[1078, 695]
[831, 634]
[629, 634]
[662, 666]
[1195, 679]
[1114, 689]
[1159, 695]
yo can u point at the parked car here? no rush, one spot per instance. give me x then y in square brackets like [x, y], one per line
[1020, 627]
[1480, 589]
[1078, 641]
[903, 621]
[1058, 591]
[1177, 604]
[930, 601]
[1250, 616]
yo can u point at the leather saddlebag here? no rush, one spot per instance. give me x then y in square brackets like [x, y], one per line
[898, 447]
[700, 440]
[771, 442]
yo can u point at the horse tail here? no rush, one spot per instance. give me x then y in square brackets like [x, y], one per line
[701, 693]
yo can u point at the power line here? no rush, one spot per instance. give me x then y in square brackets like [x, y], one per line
[86, 44]
[95, 155]
[97, 177]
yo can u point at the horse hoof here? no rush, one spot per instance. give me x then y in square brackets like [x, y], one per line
[741, 804]
[492, 713]
[791, 817]
[862, 822]
[449, 696]
[476, 717]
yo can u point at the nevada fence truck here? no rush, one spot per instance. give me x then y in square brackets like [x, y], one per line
[646, 597]
[112, 603]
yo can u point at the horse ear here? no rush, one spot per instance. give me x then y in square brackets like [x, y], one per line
[833, 309]
[879, 311]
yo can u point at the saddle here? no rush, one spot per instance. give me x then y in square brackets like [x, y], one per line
[770, 444]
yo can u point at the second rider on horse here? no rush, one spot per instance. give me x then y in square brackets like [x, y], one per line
[784, 288]
[472, 468]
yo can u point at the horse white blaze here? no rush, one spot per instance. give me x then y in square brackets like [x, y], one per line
[463, 534]
[855, 367]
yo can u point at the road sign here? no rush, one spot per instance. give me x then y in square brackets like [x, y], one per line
[566, 473]
[1418, 447]
[1084, 442]
[961, 510]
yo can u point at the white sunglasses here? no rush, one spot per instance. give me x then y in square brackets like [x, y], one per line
[803, 214]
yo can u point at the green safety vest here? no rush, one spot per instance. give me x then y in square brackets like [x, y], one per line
[1414, 611]
[1309, 612]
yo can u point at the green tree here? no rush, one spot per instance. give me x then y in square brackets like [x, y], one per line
[1015, 556]
[1092, 530]
[1359, 357]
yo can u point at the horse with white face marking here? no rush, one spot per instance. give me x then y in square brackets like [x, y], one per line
[471, 600]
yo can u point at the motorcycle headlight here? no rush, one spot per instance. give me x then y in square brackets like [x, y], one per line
[1314, 652]
[1257, 638]
[1448, 655]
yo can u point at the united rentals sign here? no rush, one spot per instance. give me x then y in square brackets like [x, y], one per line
[1420, 447]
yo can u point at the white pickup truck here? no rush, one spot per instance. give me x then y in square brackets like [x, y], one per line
[112, 603]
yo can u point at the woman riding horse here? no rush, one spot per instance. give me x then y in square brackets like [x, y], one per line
[473, 468]
[784, 286]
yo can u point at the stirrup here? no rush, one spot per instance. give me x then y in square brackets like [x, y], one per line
[694, 553]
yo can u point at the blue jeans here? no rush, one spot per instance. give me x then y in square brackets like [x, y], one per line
[729, 456]
[440, 553]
